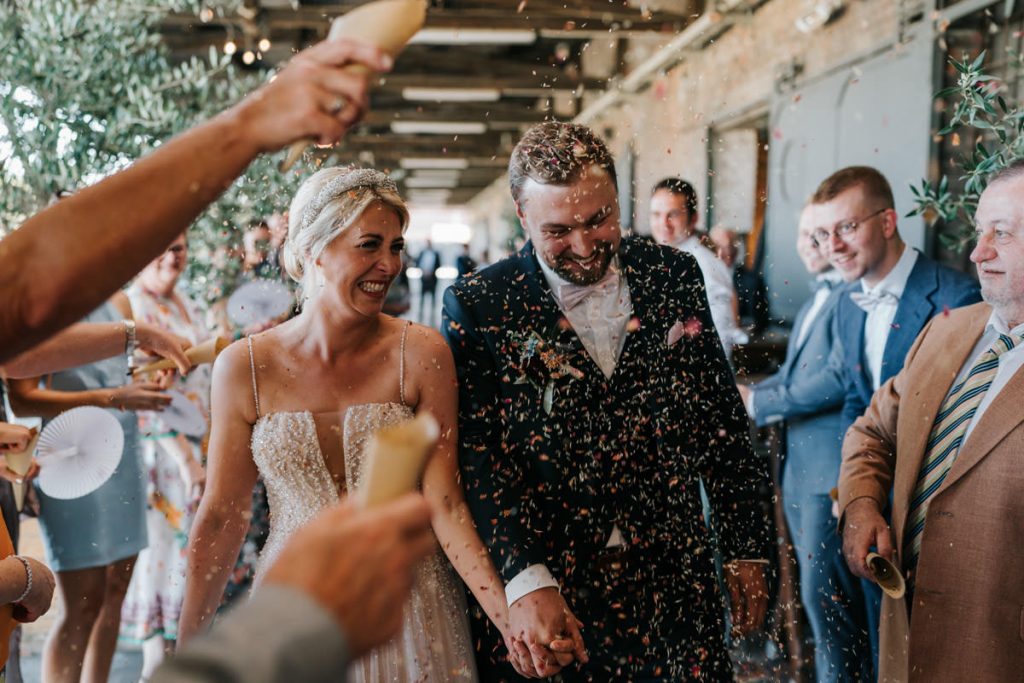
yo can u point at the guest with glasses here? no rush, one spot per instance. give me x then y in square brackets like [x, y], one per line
[892, 292]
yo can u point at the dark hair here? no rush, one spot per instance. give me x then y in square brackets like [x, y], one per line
[869, 179]
[555, 153]
[1012, 171]
[680, 187]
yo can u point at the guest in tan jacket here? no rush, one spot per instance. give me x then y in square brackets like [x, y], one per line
[946, 436]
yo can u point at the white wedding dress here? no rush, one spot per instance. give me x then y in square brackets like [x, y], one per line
[434, 644]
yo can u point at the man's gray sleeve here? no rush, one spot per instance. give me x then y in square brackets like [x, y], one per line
[281, 635]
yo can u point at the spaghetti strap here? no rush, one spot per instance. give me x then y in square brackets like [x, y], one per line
[401, 366]
[252, 366]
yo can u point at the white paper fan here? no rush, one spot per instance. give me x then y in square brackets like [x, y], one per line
[259, 301]
[78, 451]
[183, 416]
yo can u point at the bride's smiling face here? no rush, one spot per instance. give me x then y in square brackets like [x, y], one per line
[360, 264]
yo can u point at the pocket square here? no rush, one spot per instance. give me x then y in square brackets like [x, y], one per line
[676, 333]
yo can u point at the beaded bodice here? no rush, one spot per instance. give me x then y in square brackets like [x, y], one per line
[287, 453]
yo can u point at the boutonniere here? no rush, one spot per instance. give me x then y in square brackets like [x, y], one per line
[541, 362]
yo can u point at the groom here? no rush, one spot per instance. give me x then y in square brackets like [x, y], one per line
[594, 395]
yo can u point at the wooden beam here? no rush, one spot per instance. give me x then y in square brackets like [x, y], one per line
[551, 17]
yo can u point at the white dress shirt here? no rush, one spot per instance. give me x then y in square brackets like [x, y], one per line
[1009, 363]
[720, 291]
[600, 320]
[879, 320]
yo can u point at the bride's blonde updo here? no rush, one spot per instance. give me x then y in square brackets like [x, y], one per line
[326, 205]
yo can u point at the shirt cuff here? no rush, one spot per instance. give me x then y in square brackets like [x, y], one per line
[746, 560]
[531, 579]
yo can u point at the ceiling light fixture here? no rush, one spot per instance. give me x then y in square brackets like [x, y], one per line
[434, 162]
[438, 127]
[451, 94]
[474, 36]
[419, 182]
[437, 173]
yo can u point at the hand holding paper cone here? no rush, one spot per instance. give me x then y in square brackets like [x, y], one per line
[22, 463]
[388, 24]
[206, 352]
[887, 575]
[396, 458]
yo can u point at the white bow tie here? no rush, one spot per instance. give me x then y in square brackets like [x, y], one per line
[572, 295]
[870, 301]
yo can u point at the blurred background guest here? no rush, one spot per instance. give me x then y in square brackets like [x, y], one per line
[464, 263]
[174, 463]
[673, 216]
[747, 278]
[428, 261]
[92, 541]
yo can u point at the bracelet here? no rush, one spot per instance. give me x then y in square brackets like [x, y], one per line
[28, 578]
[130, 344]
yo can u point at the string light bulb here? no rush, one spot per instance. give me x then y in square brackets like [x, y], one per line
[230, 48]
[248, 57]
[264, 44]
[205, 15]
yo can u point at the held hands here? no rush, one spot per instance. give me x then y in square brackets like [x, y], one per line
[865, 527]
[544, 634]
[748, 595]
[314, 97]
[158, 342]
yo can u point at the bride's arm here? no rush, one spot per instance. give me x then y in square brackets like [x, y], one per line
[442, 487]
[225, 510]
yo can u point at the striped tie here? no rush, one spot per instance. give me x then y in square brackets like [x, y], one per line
[944, 443]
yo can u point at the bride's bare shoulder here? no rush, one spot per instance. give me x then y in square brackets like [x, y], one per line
[425, 348]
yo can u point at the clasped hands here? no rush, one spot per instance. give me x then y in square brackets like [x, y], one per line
[543, 635]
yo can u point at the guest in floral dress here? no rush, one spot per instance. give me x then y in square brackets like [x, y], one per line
[174, 467]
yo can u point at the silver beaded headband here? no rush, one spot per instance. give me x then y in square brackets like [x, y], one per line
[360, 178]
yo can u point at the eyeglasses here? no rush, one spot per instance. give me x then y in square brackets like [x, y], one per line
[843, 231]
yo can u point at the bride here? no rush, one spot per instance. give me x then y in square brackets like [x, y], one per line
[296, 405]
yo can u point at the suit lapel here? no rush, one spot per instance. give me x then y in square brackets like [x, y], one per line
[1000, 418]
[916, 307]
[923, 405]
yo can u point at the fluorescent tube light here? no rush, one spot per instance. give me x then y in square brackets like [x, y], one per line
[451, 94]
[431, 182]
[438, 127]
[474, 36]
[434, 162]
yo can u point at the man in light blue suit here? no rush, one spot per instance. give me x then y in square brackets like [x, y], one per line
[893, 292]
[807, 393]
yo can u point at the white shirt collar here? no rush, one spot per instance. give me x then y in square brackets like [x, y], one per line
[998, 325]
[689, 244]
[896, 281]
[830, 275]
[556, 281]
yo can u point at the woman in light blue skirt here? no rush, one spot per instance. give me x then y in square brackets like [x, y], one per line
[92, 542]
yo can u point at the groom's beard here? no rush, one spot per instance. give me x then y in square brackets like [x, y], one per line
[579, 274]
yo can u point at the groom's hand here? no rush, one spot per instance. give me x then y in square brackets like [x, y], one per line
[545, 633]
[748, 595]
